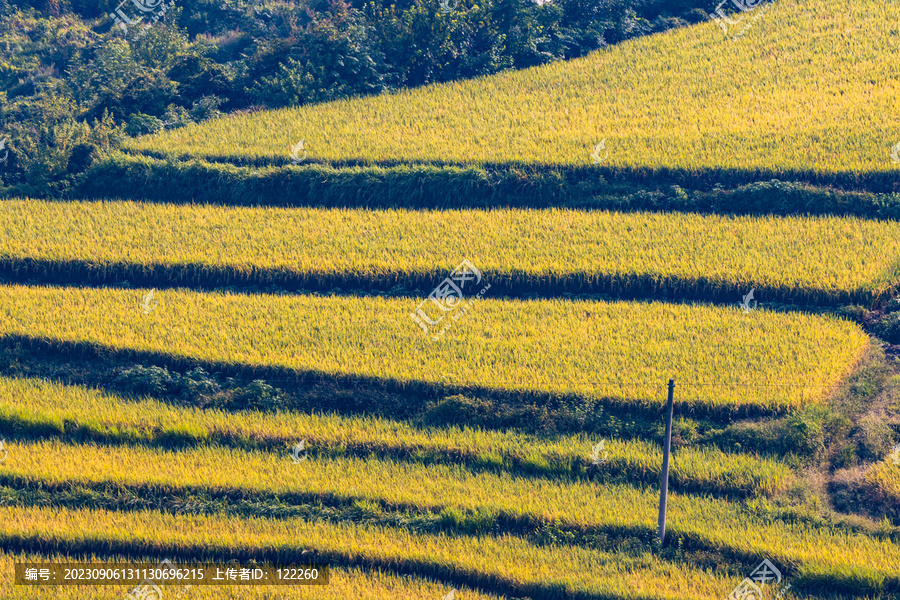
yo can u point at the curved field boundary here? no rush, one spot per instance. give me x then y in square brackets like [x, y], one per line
[515, 504]
[810, 88]
[494, 564]
[230, 473]
[623, 352]
[395, 397]
[692, 548]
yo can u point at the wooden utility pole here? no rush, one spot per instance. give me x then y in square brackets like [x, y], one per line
[664, 477]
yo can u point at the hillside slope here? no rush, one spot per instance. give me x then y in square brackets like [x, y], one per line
[808, 89]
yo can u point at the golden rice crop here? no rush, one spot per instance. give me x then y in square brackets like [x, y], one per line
[579, 504]
[809, 550]
[722, 524]
[36, 401]
[370, 584]
[480, 559]
[810, 86]
[624, 350]
[823, 258]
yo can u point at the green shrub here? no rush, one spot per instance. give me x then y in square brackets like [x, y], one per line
[258, 395]
[846, 457]
[457, 409]
[424, 186]
[198, 382]
[808, 430]
[854, 312]
[205, 108]
[888, 327]
[892, 305]
[176, 116]
[195, 387]
[805, 433]
[684, 432]
[873, 436]
[141, 124]
[150, 381]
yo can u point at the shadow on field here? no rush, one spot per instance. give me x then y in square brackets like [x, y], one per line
[476, 405]
[602, 286]
[689, 549]
[683, 550]
[699, 179]
[430, 186]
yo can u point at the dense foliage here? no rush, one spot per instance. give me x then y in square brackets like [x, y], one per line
[73, 84]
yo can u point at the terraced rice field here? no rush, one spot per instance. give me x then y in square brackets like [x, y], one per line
[810, 88]
[160, 364]
[66, 412]
[507, 501]
[818, 260]
[622, 351]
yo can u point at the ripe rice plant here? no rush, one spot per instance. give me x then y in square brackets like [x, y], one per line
[41, 406]
[576, 504]
[622, 351]
[509, 563]
[500, 562]
[720, 524]
[820, 260]
[835, 121]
